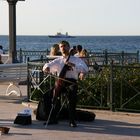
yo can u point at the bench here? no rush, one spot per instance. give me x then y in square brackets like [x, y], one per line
[14, 74]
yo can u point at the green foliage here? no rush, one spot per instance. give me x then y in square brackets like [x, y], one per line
[92, 90]
[95, 89]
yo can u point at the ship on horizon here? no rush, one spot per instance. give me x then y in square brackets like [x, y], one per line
[60, 35]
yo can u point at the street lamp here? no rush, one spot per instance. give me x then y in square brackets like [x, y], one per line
[12, 31]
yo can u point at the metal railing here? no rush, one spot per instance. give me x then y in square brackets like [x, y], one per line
[104, 57]
[113, 87]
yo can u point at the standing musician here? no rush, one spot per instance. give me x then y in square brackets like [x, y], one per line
[75, 66]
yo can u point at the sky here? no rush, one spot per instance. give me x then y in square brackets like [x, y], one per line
[77, 17]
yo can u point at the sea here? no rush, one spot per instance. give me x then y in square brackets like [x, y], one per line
[91, 43]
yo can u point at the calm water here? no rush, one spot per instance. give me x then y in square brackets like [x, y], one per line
[94, 43]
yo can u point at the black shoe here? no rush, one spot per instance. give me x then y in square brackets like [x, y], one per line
[72, 124]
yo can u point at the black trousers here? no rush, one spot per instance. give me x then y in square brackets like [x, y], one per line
[69, 88]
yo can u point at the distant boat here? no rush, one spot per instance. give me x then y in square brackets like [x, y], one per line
[60, 35]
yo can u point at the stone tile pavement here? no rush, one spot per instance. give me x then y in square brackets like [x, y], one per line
[107, 125]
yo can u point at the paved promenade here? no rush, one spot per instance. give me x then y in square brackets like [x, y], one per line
[107, 125]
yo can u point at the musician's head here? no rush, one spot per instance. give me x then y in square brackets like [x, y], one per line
[64, 47]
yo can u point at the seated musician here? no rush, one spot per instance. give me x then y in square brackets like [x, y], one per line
[68, 79]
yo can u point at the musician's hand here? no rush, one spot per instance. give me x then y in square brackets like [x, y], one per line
[81, 75]
[70, 64]
[47, 70]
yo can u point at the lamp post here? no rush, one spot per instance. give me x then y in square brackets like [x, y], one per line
[12, 31]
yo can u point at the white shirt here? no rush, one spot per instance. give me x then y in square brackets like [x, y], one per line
[57, 64]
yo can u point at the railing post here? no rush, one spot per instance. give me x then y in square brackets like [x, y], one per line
[106, 57]
[41, 75]
[20, 56]
[41, 58]
[25, 58]
[137, 56]
[28, 80]
[112, 107]
[121, 92]
[122, 62]
[47, 52]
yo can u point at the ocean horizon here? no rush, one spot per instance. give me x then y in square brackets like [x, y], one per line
[91, 43]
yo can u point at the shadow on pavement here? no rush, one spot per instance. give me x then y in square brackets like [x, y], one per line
[97, 126]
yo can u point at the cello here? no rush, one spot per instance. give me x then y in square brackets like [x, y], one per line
[60, 80]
